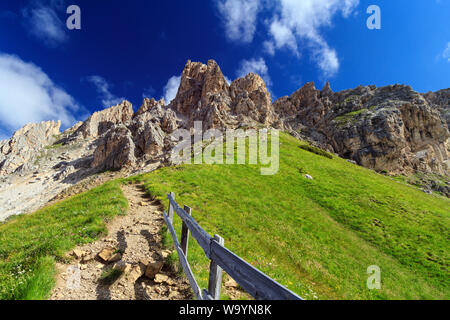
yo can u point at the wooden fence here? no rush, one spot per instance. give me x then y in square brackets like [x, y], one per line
[256, 283]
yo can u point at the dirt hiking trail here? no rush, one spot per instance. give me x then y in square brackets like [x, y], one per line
[129, 264]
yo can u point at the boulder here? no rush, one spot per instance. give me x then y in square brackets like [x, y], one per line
[78, 253]
[115, 257]
[87, 258]
[136, 272]
[122, 266]
[107, 253]
[153, 269]
[160, 278]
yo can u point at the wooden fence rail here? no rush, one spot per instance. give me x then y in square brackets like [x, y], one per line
[255, 282]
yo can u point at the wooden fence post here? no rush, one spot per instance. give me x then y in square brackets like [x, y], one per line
[185, 233]
[215, 274]
[171, 209]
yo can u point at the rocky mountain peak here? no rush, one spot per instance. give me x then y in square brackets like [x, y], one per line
[214, 81]
[204, 95]
[251, 100]
[392, 128]
[198, 83]
[149, 104]
[326, 90]
[18, 152]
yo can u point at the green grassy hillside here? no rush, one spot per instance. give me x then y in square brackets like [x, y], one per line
[318, 237]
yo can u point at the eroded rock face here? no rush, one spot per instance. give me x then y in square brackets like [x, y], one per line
[441, 101]
[115, 149]
[140, 139]
[204, 95]
[101, 121]
[392, 128]
[251, 100]
[25, 145]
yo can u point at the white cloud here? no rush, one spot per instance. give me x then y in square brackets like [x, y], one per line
[103, 89]
[326, 59]
[257, 66]
[446, 53]
[269, 47]
[171, 88]
[282, 37]
[303, 20]
[43, 23]
[27, 95]
[240, 18]
[289, 23]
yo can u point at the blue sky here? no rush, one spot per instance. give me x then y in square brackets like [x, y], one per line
[139, 48]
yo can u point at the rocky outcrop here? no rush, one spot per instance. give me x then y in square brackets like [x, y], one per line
[19, 152]
[141, 138]
[392, 129]
[204, 95]
[115, 150]
[148, 105]
[251, 101]
[440, 100]
[100, 122]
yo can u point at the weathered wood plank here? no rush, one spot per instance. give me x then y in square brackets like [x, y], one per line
[256, 283]
[183, 261]
[185, 232]
[201, 236]
[206, 295]
[215, 274]
[171, 208]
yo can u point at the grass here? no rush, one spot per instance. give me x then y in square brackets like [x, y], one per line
[54, 146]
[350, 117]
[30, 244]
[317, 151]
[317, 237]
[422, 181]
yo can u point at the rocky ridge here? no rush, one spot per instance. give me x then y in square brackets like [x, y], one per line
[17, 152]
[391, 129]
